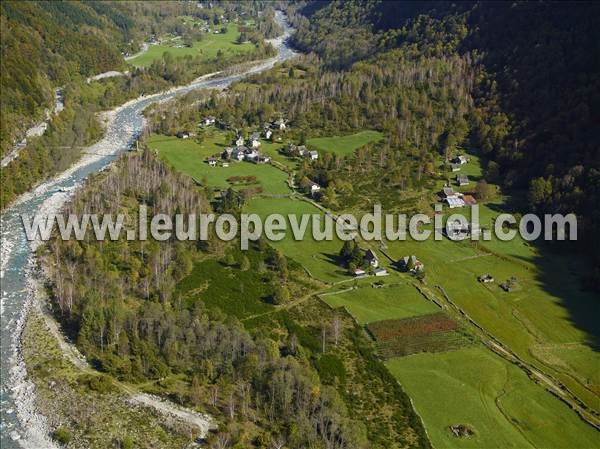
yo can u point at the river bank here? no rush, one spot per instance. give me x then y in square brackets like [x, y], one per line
[22, 425]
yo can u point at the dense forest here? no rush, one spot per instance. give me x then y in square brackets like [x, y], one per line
[517, 88]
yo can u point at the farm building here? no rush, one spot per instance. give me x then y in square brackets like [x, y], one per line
[255, 140]
[381, 272]
[460, 160]
[448, 192]
[263, 160]
[209, 120]
[183, 135]
[371, 258]
[485, 278]
[312, 155]
[469, 200]
[314, 188]
[212, 162]
[239, 141]
[462, 180]
[359, 272]
[280, 124]
[268, 133]
[454, 202]
[411, 263]
[455, 167]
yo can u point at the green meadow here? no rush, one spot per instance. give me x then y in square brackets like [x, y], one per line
[368, 304]
[189, 157]
[345, 145]
[474, 387]
[317, 257]
[208, 47]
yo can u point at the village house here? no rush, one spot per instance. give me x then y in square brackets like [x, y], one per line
[227, 153]
[210, 120]
[460, 160]
[462, 180]
[268, 133]
[455, 167]
[183, 135]
[239, 153]
[314, 188]
[408, 261]
[212, 162]
[469, 200]
[380, 272]
[279, 124]
[312, 155]
[359, 272]
[485, 278]
[255, 140]
[263, 159]
[251, 154]
[239, 141]
[454, 202]
[448, 192]
[371, 258]
[225, 164]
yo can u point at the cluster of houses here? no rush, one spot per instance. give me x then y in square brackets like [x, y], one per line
[456, 199]
[301, 151]
[407, 263]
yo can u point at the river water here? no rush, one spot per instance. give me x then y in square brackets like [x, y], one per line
[21, 425]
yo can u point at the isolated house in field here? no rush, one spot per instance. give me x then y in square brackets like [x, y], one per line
[255, 140]
[239, 141]
[461, 160]
[279, 124]
[411, 263]
[454, 202]
[314, 188]
[485, 278]
[183, 135]
[212, 162]
[371, 258]
[462, 180]
[455, 167]
[210, 120]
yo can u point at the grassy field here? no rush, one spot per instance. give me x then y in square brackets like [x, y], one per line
[345, 145]
[207, 47]
[319, 258]
[473, 386]
[368, 304]
[189, 157]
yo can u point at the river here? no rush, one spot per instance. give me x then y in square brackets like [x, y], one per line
[21, 425]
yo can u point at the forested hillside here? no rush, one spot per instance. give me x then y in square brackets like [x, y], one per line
[48, 44]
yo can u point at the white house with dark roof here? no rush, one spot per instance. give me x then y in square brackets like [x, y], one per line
[314, 188]
[255, 140]
[280, 124]
[239, 141]
[371, 258]
[209, 120]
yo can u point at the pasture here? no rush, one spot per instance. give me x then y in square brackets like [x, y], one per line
[189, 157]
[345, 145]
[474, 387]
[207, 48]
[319, 258]
[368, 304]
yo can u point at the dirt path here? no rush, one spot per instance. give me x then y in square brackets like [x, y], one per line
[203, 422]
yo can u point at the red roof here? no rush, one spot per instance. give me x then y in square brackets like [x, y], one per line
[468, 199]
